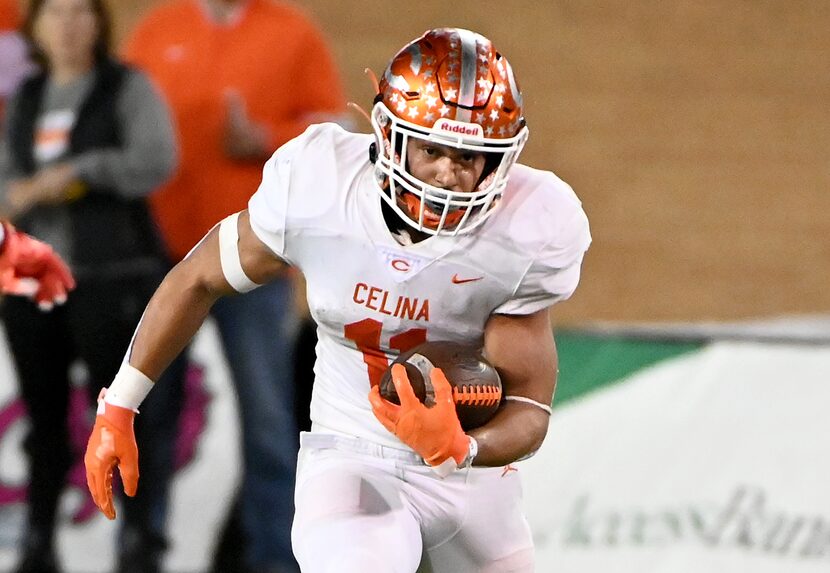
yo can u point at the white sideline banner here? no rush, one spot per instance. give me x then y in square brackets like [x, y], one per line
[716, 461]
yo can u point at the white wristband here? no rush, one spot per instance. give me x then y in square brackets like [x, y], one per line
[129, 388]
[449, 465]
[471, 453]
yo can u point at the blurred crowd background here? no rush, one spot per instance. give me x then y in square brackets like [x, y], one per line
[694, 131]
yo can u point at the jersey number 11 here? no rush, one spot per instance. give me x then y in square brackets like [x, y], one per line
[366, 335]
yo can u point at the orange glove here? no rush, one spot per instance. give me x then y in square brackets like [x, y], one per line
[29, 267]
[111, 444]
[433, 432]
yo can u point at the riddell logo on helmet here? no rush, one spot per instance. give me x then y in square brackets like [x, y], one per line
[458, 127]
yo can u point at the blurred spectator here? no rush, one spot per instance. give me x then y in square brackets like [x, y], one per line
[242, 77]
[86, 140]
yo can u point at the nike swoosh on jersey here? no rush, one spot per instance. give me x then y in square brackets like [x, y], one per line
[459, 281]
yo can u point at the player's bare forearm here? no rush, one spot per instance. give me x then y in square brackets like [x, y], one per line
[178, 308]
[523, 350]
[516, 431]
[185, 297]
[172, 318]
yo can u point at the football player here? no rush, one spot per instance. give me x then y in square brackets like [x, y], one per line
[31, 268]
[426, 230]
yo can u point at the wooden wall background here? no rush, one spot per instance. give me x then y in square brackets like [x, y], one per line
[696, 133]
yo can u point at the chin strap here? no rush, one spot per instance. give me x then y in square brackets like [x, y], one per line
[374, 80]
[356, 107]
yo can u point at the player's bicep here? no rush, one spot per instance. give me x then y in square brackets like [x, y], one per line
[522, 348]
[222, 261]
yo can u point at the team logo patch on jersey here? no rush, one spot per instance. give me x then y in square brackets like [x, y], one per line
[401, 265]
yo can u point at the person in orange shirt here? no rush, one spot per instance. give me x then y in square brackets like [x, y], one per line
[14, 61]
[242, 77]
[9, 15]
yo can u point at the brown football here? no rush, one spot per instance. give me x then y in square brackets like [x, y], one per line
[475, 383]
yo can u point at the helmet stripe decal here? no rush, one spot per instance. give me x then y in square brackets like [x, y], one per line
[514, 89]
[397, 82]
[415, 64]
[469, 66]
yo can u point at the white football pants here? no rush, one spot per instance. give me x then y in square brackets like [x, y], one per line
[366, 508]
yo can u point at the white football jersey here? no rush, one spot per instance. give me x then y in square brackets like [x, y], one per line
[318, 208]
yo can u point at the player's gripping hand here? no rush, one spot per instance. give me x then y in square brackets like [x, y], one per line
[30, 267]
[112, 443]
[433, 432]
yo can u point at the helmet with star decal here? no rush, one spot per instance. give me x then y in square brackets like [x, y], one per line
[449, 87]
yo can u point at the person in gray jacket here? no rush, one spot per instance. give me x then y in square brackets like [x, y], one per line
[85, 140]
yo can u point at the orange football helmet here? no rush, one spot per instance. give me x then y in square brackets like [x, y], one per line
[451, 87]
